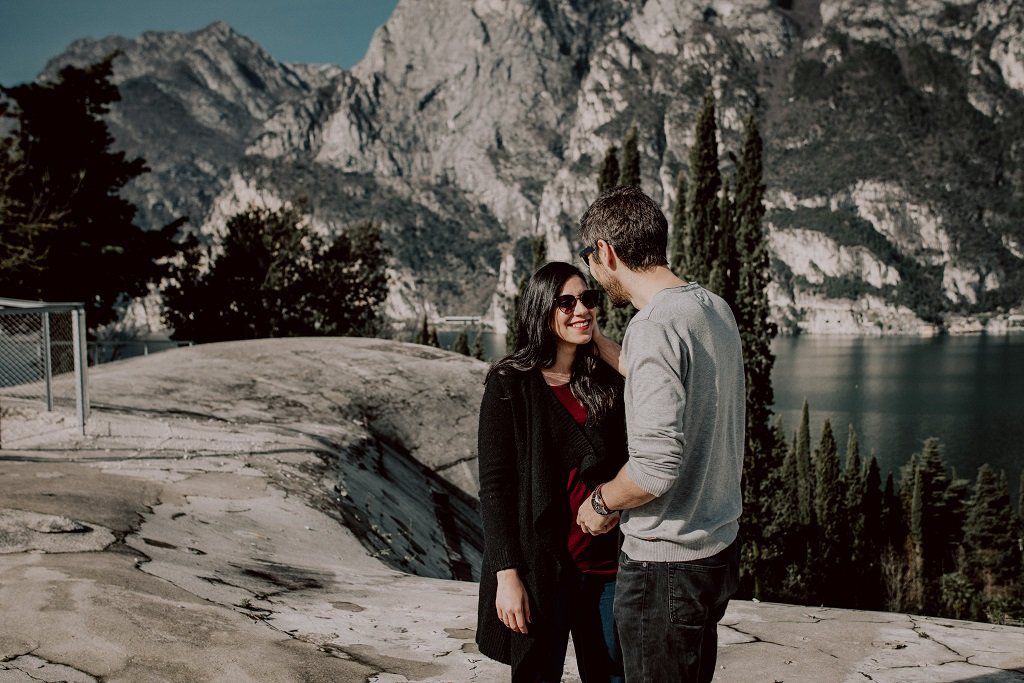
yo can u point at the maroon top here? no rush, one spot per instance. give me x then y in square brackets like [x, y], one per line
[591, 554]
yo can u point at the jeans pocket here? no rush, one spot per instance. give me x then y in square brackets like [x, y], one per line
[694, 590]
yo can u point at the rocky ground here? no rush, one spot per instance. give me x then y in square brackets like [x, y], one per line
[255, 511]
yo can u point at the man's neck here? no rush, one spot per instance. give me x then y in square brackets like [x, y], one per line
[643, 286]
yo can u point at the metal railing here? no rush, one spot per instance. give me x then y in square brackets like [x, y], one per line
[43, 354]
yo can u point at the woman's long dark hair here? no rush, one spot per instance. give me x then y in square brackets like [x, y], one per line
[592, 380]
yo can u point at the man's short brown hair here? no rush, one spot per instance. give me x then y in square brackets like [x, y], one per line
[632, 223]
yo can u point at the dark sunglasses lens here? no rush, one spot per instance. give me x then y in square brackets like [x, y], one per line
[566, 303]
[590, 298]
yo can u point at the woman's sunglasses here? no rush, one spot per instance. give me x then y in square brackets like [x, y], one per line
[567, 302]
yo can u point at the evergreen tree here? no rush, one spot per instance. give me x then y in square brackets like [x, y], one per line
[614, 320]
[478, 345]
[854, 485]
[432, 340]
[66, 234]
[930, 527]
[702, 202]
[805, 474]
[629, 172]
[423, 336]
[894, 521]
[677, 245]
[992, 551]
[461, 343]
[872, 534]
[539, 250]
[831, 516]
[747, 278]
[725, 272]
[609, 176]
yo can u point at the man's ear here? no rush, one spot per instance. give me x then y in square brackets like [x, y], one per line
[607, 253]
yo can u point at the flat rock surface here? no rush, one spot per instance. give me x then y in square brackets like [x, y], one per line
[205, 533]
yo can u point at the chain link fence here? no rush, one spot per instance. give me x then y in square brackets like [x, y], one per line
[43, 355]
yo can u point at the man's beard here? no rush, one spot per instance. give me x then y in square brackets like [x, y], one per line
[617, 294]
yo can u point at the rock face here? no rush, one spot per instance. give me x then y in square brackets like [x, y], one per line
[894, 151]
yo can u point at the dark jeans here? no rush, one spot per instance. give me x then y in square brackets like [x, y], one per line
[668, 614]
[584, 608]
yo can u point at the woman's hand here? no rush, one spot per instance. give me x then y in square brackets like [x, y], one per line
[512, 603]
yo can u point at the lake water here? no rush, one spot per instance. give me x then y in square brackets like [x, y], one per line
[898, 391]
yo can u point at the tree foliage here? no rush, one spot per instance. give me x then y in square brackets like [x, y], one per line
[65, 232]
[275, 277]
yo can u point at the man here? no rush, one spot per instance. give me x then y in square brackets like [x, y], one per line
[679, 493]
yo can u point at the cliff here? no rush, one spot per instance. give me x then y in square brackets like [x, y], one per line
[893, 154]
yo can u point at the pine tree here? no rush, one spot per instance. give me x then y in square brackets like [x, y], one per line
[609, 176]
[831, 516]
[992, 552]
[461, 343]
[478, 345]
[805, 474]
[702, 202]
[677, 246]
[66, 233]
[629, 172]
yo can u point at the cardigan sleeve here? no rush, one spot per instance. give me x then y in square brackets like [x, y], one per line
[497, 460]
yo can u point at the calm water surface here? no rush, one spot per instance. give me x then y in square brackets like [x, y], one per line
[968, 391]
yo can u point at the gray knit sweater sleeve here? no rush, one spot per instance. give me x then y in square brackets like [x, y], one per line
[656, 366]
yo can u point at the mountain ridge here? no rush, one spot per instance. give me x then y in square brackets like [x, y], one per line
[890, 132]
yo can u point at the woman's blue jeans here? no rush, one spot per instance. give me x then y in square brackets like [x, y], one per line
[584, 608]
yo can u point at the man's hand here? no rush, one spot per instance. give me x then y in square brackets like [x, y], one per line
[593, 523]
[512, 603]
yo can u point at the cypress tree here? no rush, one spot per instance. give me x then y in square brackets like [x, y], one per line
[423, 336]
[894, 521]
[805, 474]
[614, 320]
[828, 499]
[929, 526]
[461, 343]
[872, 536]
[677, 245]
[747, 277]
[629, 172]
[724, 276]
[478, 345]
[785, 537]
[854, 485]
[539, 249]
[609, 175]
[702, 202]
[432, 340]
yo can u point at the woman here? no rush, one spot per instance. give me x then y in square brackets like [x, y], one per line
[552, 426]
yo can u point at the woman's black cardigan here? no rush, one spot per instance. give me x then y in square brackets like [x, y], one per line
[527, 443]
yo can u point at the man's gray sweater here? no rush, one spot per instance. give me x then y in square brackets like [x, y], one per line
[685, 415]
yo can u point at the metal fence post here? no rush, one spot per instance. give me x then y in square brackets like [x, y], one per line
[81, 366]
[47, 362]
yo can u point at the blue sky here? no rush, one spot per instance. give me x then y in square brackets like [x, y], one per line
[335, 31]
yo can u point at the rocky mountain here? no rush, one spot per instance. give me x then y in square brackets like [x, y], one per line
[894, 140]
